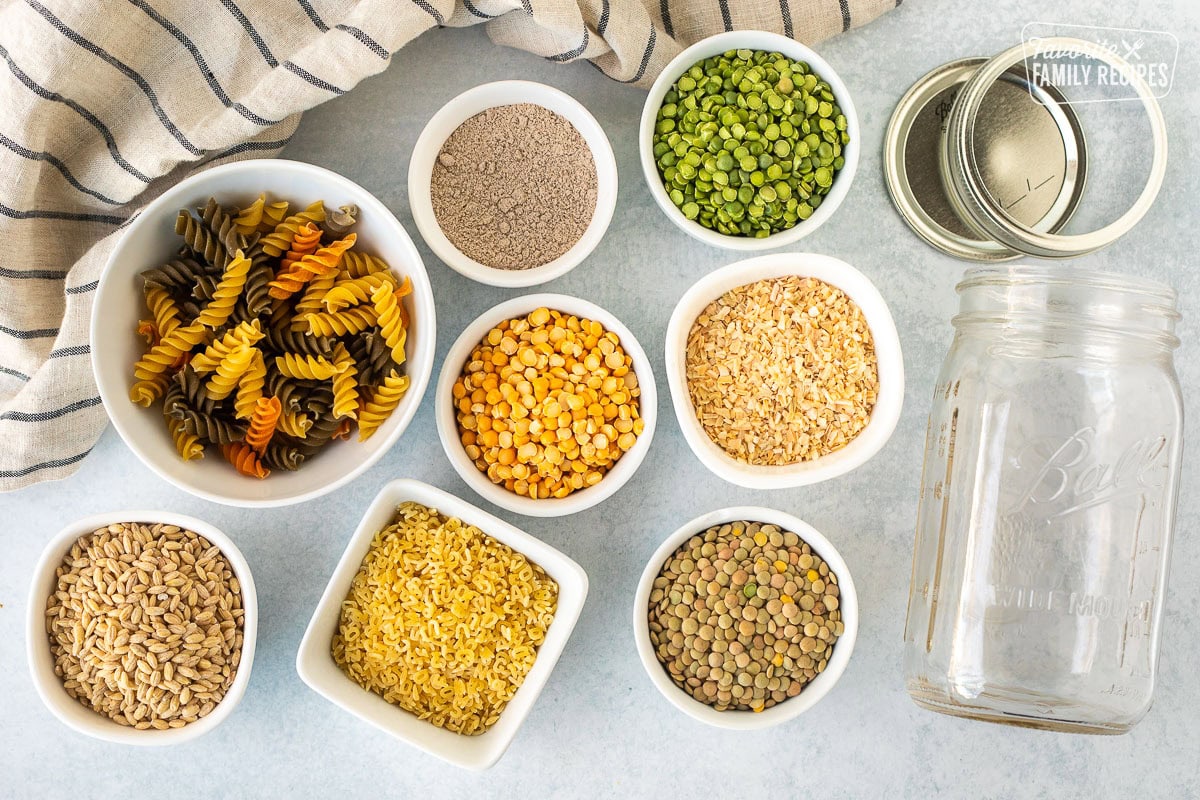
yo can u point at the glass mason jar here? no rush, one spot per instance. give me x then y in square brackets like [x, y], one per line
[1047, 502]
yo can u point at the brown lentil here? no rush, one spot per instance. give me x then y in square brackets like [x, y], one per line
[774, 649]
[782, 370]
[547, 403]
[145, 624]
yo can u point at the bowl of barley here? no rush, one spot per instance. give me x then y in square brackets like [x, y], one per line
[784, 370]
[141, 627]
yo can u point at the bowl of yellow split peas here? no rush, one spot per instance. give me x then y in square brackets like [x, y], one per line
[546, 405]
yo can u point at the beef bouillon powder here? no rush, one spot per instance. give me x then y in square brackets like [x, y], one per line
[514, 187]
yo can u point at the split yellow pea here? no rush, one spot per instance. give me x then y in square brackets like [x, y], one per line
[547, 403]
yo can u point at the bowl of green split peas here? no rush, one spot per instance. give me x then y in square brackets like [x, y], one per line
[749, 140]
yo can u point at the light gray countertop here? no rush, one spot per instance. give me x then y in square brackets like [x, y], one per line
[600, 728]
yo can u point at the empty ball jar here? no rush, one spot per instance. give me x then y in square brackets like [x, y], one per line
[1047, 502]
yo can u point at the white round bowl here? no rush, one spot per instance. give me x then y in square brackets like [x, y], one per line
[151, 240]
[793, 706]
[751, 40]
[889, 358]
[447, 423]
[459, 110]
[41, 663]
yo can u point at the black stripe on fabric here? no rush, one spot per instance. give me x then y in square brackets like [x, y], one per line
[312, 15]
[67, 216]
[645, 57]
[246, 147]
[18, 375]
[567, 56]
[845, 4]
[664, 7]
[87, 287]
[602, 25]
[786, 12]
[122, 67]
[528, 4]
[374, 46]
[313, 79]
[254, 35]
[46, 416]
[73, 350]
[54, 161]
[39, 274]
[476, 12]
[209, 77]
[726, 18]
[430, 10]
[58, 462]
[34, 333]
[46, 94]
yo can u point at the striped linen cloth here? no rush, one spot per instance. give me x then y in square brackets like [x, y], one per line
[103, 105]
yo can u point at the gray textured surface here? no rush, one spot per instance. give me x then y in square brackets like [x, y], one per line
[600, 728]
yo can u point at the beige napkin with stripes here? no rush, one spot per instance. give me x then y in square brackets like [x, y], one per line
[105, 105]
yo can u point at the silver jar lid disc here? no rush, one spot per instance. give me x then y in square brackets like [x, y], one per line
[1029, 148]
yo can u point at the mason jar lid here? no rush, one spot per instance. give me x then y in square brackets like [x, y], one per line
[1031, 150]
[962, 168]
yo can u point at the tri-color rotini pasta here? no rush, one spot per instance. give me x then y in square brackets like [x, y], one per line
[264, 336]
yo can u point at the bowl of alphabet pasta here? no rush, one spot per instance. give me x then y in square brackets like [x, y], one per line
[264, 332]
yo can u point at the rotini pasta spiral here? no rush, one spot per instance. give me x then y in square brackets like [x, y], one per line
[279, 240]
[200, 239]
[258, 282]
[250, 217]
[294, 424]
[244, 333]
[229, 371]
[211, 428]
[163, 356]
[263, 422]
[273, 214]
[338, 222]
[282, 338]
[353, 291]
[391, 320]
[177, 275]
[218, 310]
[353, 320]
[358, 265]
[324, 260]
[164, 309]
[250, 386]
[282, 456]
[144, 392]
[223, 226]
[189, 445]
[306, 241]
[379, 405]
[294, 365]
[244, 460]
[191, 391]
[345, 384]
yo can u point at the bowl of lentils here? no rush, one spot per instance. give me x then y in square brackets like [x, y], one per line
[745, 617]
[749, 140]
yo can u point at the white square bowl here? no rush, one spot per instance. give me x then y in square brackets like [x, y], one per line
[314, 661]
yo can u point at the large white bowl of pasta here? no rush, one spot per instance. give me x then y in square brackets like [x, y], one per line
[267, 348]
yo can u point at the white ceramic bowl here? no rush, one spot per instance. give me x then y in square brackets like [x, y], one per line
[889, 358]
[41, 662]
[752, 40]
[151, 240]
[447, 423]
[793, 706]
[459, 110]
[316, 666]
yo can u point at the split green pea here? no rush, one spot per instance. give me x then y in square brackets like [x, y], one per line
[749, 142]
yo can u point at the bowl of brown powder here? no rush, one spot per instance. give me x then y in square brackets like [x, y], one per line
[512, 183]
[785, 370]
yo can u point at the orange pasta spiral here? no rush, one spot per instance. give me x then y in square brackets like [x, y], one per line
[306, 241]
[244, 460]
[324, 260]
[263, 422]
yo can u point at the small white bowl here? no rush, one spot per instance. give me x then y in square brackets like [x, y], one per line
[447, 423]
[750, 40]
[793, 706]
[459, 110]
[151, 240]
[889, 358]
[41, 662]
[315, 664]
